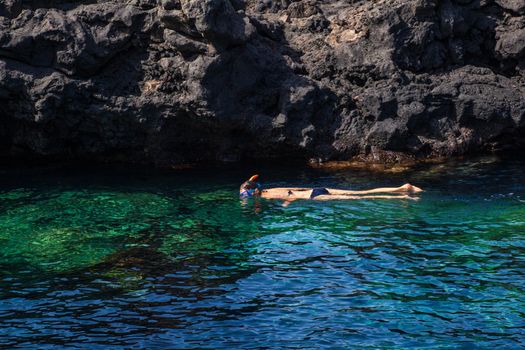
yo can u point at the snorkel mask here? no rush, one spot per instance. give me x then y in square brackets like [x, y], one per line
[249, 188]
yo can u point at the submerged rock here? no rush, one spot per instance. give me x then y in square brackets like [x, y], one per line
[183, 81]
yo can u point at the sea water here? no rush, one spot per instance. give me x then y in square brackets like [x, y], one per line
[115, 257]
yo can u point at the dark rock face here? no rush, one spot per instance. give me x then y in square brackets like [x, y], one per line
[182, 81]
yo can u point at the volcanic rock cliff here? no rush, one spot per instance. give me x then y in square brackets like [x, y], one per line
[183, 81]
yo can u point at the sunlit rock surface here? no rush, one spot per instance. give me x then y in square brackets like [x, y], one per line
[182, 81]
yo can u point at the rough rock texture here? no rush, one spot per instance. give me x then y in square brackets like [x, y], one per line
[183, 81]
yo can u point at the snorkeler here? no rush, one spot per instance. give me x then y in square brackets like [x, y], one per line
[252, 188]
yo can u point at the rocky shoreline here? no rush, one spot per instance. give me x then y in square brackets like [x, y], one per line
[175, 82]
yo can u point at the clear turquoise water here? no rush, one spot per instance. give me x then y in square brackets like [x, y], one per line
[120, 258]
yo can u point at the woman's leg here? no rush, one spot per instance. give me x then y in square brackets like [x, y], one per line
[401, 189]
[328, 197]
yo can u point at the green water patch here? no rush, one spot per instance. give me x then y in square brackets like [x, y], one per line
[211, 222]
[66, 230]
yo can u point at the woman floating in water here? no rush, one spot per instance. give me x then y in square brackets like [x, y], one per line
[252, 188]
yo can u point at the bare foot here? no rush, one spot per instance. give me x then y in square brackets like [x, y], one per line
[410, 188]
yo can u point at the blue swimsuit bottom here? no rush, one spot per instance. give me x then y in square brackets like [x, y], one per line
[318, 191]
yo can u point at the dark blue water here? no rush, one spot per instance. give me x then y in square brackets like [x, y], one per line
[111, 258]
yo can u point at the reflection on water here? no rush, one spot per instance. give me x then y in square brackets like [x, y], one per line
[106, 258]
